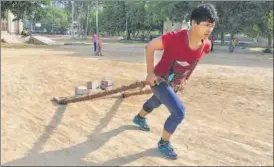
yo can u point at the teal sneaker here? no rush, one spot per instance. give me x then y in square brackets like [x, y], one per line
[166, 149]
[141, 122]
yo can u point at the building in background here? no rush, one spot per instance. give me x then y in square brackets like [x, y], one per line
[9, 26]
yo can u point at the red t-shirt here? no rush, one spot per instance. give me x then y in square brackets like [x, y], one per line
[177, 57]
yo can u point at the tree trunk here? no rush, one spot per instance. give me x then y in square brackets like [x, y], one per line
[136, 35]
[231, 36]
[133, 34]
[222, 38]
[142, 37]
[162, 27]
[269, 46]
[86, 31]
[128, 34]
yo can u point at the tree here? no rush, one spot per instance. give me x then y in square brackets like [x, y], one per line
[113, 17]
[228, 18]
[55, 19]
[25, 9]
[258, 20]
[266, 23]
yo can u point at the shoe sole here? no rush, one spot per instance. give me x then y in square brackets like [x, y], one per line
[172, 158]
[143, 129]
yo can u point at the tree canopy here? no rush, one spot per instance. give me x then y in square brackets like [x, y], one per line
[142, 18]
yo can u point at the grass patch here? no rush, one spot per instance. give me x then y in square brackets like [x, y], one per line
[256, 49]
[260, 49]
[25, 46]
[131, 42]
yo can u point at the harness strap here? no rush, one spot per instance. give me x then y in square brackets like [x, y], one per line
[169, 78]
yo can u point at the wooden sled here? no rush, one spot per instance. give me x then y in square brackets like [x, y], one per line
[73, 99]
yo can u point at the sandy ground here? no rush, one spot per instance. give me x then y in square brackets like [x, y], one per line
[229, 116]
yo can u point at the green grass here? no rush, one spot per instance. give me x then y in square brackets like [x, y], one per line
[129, 42]
[24, 46]
[258, 49]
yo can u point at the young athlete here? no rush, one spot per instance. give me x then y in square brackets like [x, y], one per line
[182, 51]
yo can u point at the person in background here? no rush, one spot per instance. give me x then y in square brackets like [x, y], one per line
[233, 45]
[100, 45]
[97, 44]
[94, 40]
[212, 42]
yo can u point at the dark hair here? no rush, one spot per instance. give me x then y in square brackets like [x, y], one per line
[204, 12]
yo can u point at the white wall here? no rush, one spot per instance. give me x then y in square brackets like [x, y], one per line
[10, 23]
[14, 27]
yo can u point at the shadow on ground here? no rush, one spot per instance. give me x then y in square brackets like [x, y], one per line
[74, 154]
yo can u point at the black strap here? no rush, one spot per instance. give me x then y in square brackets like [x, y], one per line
[165, 78]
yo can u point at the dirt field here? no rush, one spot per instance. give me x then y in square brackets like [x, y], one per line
[229, 116]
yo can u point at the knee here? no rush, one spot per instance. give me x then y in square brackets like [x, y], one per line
[147, 108]
[179, 114]
[150, 106]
